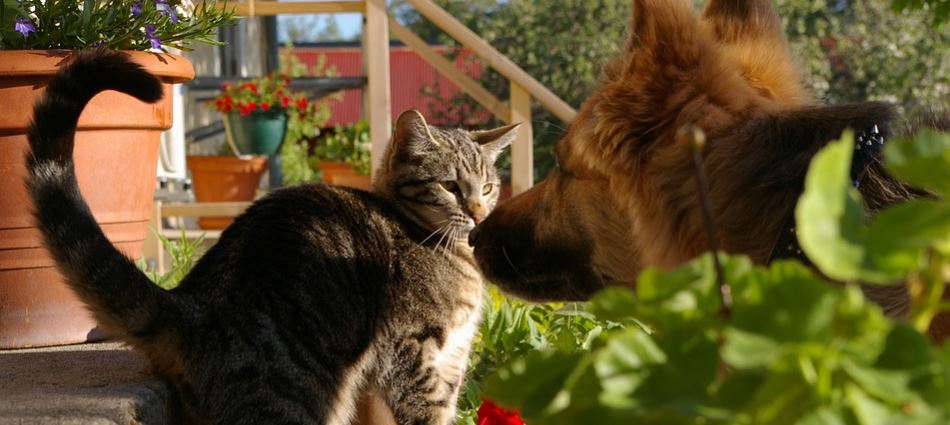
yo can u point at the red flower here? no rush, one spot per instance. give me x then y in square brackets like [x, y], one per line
[285, 102]
[302, 103]
[265, 106]
[491, 414]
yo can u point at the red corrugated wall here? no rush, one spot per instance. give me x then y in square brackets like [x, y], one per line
[409, 75]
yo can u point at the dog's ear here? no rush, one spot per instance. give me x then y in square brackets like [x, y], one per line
[781, 146]
[655, 24]
[738, 20]
[750, 33]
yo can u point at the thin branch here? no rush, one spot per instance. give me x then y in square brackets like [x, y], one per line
[697, 141]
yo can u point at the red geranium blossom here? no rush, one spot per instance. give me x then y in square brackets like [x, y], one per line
[491, 414]
[268, 93]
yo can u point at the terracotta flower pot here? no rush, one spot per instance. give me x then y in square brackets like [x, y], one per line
[116, 156]
[225, 179]
[332, 170]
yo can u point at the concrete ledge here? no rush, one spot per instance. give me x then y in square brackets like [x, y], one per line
[80, 384]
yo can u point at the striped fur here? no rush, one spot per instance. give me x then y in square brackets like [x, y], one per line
[313, 296]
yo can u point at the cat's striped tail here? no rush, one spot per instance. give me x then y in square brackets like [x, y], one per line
[121, 297]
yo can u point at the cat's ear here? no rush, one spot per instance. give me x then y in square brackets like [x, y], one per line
[496, 140]
[412, 132]
[780, 147]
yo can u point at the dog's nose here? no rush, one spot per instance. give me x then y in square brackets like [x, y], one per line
[473, 235]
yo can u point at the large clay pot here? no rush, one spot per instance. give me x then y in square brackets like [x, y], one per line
[225, 179]
[116, 156]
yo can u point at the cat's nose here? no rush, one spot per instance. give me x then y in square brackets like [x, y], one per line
[473, 236]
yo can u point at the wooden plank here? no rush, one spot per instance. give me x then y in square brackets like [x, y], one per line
[270, 8]
[494, 58]
[378, 103]
[522, 157]
[175, 234]
[204, 209]
[448, 69]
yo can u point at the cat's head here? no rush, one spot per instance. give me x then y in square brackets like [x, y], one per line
[442, 178]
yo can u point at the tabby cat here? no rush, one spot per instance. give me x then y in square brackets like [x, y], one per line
[314, 295]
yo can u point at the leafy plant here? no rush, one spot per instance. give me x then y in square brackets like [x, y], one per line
[184, 254]
[303, 129]
[512, 329]
[116, 24]
[794, 348]
[348, 144]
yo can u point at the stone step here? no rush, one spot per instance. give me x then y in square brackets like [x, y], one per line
[102, 383]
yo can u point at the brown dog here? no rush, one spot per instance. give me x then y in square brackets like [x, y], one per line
[623, 196]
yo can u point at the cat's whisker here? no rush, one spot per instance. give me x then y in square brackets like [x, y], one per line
[444, 234]
[432, 234]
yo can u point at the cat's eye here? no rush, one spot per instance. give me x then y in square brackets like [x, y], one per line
[450, 185]
[487, 188]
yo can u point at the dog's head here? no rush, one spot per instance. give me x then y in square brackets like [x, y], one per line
[623, 195]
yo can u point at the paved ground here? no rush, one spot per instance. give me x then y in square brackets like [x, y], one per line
[80, 384]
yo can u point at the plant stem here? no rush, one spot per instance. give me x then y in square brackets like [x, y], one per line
[926, 291]
[697, 141]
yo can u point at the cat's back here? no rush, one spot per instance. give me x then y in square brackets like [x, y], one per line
[300, 242]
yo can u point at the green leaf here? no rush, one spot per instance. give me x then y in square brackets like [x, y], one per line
[786, 303]
[830, 218]
[890, 386]
[613, 303]
[866, 409]
[532, 382]
[823, 416]
[899, 236]
[923, 161]
[746, 350]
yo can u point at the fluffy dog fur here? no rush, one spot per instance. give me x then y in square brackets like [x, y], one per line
[623, 196]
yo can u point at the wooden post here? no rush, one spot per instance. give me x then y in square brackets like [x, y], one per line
[522, 156]
[376, 60]
[152, 247]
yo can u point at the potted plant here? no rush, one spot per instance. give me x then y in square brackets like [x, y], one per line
[343, 155]
[116, 141]
[260, 115]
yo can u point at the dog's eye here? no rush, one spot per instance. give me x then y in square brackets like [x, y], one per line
[450, 185]
[488, 188]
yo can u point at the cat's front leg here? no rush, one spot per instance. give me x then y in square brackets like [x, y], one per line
[421, 390]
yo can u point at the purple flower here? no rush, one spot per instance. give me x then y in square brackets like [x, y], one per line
[99, 44]
[136, 8]
[152, 38]
[166, 10]
[24, 26]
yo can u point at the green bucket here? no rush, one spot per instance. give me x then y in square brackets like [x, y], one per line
[258, 133]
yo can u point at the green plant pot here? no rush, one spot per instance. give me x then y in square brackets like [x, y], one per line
[258, 133]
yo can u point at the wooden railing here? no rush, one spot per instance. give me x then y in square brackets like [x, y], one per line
[376, 31]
